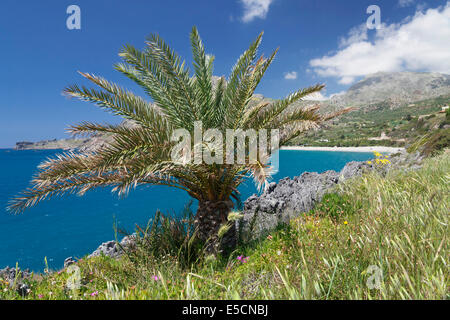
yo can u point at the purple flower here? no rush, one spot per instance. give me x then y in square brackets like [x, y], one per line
[156, 278]
[243, 259]
[95, 293]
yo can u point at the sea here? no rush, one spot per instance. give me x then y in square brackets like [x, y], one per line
[74, 226]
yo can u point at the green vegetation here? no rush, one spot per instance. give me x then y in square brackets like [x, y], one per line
[431, 143]
[401, 125]
[395, 223]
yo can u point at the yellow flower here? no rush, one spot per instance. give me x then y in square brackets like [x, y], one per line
[345, 222]
[377, 154]
[369, 162]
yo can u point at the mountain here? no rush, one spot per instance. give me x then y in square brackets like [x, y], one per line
[394, 88]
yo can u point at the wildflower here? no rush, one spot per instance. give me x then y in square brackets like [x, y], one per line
[346, 222]
[40, 296]
[156, 278]
[377, 154]
[369, 162]
[269, 237]
[95, 293]
[132, 287]
[279, 252]
[240, 258]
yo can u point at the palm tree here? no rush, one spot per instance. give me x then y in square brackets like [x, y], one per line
[140, 154]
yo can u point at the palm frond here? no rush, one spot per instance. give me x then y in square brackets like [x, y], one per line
[273, 110]
[203, 74]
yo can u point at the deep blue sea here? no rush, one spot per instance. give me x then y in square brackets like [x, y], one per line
[75, 226]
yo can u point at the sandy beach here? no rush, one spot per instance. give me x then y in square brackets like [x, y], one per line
[380, 149]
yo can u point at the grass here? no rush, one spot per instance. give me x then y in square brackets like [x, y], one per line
[393, 229]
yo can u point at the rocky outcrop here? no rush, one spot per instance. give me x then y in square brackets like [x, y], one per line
[69, 261]
[289, 198]
[112, 248]
[15, 279]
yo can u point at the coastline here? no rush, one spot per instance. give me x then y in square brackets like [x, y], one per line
[380, 149]
[366, 149]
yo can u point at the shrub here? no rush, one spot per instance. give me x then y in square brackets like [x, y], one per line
[167, 236]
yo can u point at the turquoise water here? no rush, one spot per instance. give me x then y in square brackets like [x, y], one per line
[75, 226]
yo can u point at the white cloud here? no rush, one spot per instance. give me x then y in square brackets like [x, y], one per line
[419, 43]
[405, 3]
[318, 96]
[355, 34]
[255, 9]
[290, 75]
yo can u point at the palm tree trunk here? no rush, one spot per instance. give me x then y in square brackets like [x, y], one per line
[210, 217]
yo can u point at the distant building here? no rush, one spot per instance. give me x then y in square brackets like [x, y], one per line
[444, 109]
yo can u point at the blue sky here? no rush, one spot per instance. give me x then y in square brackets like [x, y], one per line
[322, 41]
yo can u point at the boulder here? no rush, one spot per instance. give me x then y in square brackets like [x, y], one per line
[69, 261]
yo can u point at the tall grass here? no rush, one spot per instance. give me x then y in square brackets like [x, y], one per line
[167, 236]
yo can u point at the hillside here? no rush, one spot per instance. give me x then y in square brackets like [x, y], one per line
[379, 124]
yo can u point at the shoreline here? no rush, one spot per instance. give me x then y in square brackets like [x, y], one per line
[368, 149]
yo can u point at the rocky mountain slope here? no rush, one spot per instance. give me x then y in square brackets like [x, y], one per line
[394, 88]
